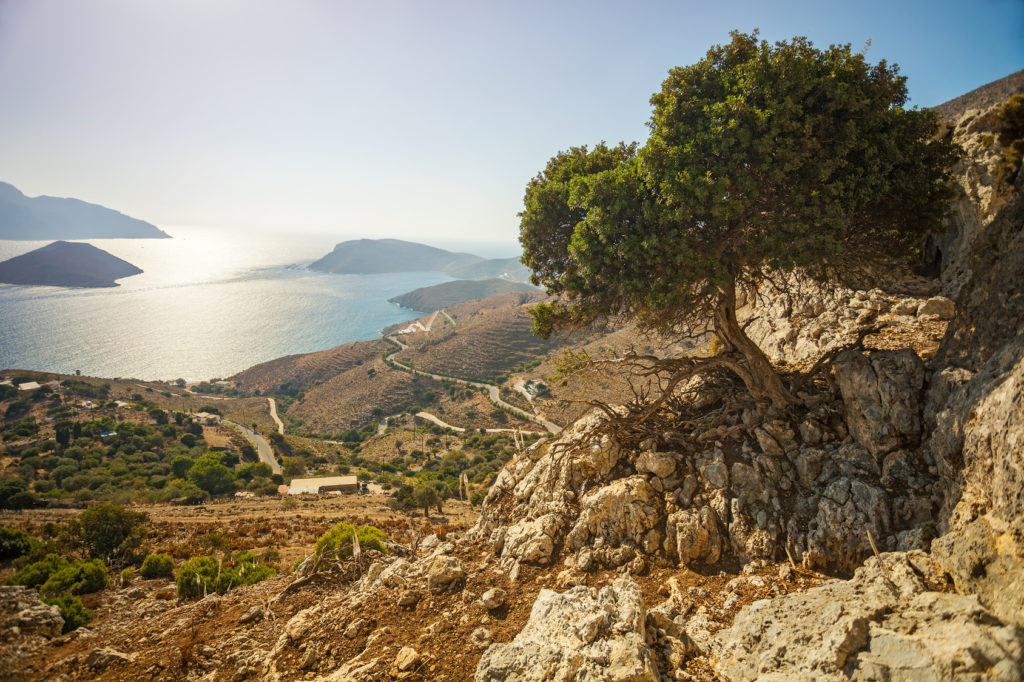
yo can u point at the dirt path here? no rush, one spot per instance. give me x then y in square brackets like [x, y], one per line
[458, 429]
[492, 390]
[273, 415]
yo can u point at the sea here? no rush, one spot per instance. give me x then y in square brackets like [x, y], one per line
[209, 303]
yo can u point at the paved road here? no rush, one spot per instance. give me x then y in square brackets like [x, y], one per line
[273, 415]
[260, 443]
[492, 390]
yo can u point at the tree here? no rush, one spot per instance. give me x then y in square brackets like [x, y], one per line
[426, 495]
[107, 532]
[762, 160]
[210, 475]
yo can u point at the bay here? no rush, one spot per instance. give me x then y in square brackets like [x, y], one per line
[208, 304]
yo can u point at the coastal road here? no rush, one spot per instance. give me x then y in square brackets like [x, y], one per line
[273, 415]
[492, 390]
[258, 442]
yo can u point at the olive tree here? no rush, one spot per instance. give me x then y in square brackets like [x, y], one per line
[763, 159]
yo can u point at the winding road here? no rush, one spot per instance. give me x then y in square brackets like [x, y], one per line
[258, 442]
[491, 389]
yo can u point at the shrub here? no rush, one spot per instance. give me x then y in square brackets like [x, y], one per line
[15, 543]
[338, 540]
[107, 532]
[75, 615]
[197, 577]
[127, 576]
[35, 574]
[247, 570]
[157, 566]
[80, 577]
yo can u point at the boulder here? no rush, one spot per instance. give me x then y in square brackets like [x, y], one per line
[581, 634]
[698, 535]
[445, 573]
[627, 510]
[940, 306]
[660, 464]
[407, 659]
[882, 394]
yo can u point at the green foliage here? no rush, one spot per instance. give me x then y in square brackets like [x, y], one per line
[1011, 136]
[37, 573]
[209, 474]
[81, 576]
[338, 540]
[197, 577]
[246, 569]
[14, 494]
[762, 158]
[75, 615]
[127, 576]
[107, 532]
[15, 543]
[157, 566]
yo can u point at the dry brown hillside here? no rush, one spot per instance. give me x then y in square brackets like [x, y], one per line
[306, 370]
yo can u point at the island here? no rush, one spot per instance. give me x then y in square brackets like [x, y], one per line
[66, 264]
[429, 299]
[24, 218]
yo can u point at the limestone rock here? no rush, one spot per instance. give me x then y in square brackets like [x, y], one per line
[581, 634]
[532, 541]
[661, 464]
[941, 306]
[103, 658]
[446, 573]
[627, 510]
[480, 638]
[878, 625]
[882, 397]
[406, 659]
[24, 612]
[698, 535]
[493, 598]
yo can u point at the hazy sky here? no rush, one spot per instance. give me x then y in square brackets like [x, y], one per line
[419, 120]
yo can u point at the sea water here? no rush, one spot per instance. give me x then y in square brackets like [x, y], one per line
[208, 304]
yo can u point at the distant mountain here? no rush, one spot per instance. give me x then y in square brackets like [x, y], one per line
[368, 256]
[505, 268]
[23, 217]
[429, 299]
[66, 264]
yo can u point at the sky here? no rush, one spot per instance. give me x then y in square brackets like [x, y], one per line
[393, 118]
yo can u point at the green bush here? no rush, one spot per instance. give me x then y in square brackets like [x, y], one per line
[127, 576]
[197, 577]
[75, 615]
[157, 566]
[338, 540]
[15, 543]
[247, 570]
[35, 574]
[107, 532]
[79, 577]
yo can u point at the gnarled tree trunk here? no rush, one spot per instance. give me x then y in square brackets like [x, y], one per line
[761, 379]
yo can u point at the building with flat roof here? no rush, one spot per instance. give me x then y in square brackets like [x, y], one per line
[325, 484]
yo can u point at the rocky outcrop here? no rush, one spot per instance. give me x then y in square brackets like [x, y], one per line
[885, 623]
[882, 398]
[581, 634]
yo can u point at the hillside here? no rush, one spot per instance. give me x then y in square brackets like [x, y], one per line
[366, 256]
[505, 268]
[66, 264]
[429, 299]
[44, 217]
[303, 371]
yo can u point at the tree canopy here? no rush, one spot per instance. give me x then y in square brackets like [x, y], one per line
[762, 159]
